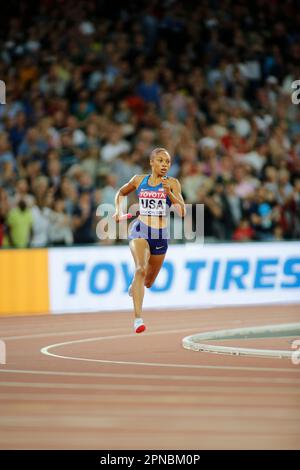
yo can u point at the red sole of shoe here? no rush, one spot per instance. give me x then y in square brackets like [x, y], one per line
[140, 329]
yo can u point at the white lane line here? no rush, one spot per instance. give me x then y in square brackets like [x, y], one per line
[60, 333]
[149, 388]
[191, 378]
[102, 330]
[46, 351]
[81, 332]
[45, 426]
[253, 410]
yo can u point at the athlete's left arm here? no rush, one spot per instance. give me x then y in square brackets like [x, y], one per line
[173, 190]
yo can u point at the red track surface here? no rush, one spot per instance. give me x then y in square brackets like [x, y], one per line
[150, 393]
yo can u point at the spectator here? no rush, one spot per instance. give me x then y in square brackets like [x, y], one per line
[40, 223]
[115, 145]
[83, 219]
[22, 193]
[19, 225]
[244, 232]
[232, 209]
[6, 155]
[148, 89]
[88, 103]
[60, 232]
[4, 210]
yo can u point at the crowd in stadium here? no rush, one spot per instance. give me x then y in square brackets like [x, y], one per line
[92, 88]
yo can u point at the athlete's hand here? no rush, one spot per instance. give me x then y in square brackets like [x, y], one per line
[120, 217]
[116, 216]
[166, 185]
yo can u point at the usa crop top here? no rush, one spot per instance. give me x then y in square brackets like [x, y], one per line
[152, 199]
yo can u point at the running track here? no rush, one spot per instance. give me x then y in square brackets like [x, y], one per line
[107, 388]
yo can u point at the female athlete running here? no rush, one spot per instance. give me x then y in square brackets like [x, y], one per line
[149, 232]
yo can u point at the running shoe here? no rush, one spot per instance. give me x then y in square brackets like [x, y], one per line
[139, 325]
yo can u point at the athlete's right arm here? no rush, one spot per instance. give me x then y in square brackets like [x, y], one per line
[124, 191]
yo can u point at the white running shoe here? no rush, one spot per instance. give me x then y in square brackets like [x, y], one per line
[130, 290]
[139, 325]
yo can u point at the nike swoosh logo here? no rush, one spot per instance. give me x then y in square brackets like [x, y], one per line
[159, 247]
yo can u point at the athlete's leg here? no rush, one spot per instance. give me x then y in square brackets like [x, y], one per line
[141, 253]
[154, 265]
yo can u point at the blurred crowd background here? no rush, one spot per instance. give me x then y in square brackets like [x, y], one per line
[93, 86]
